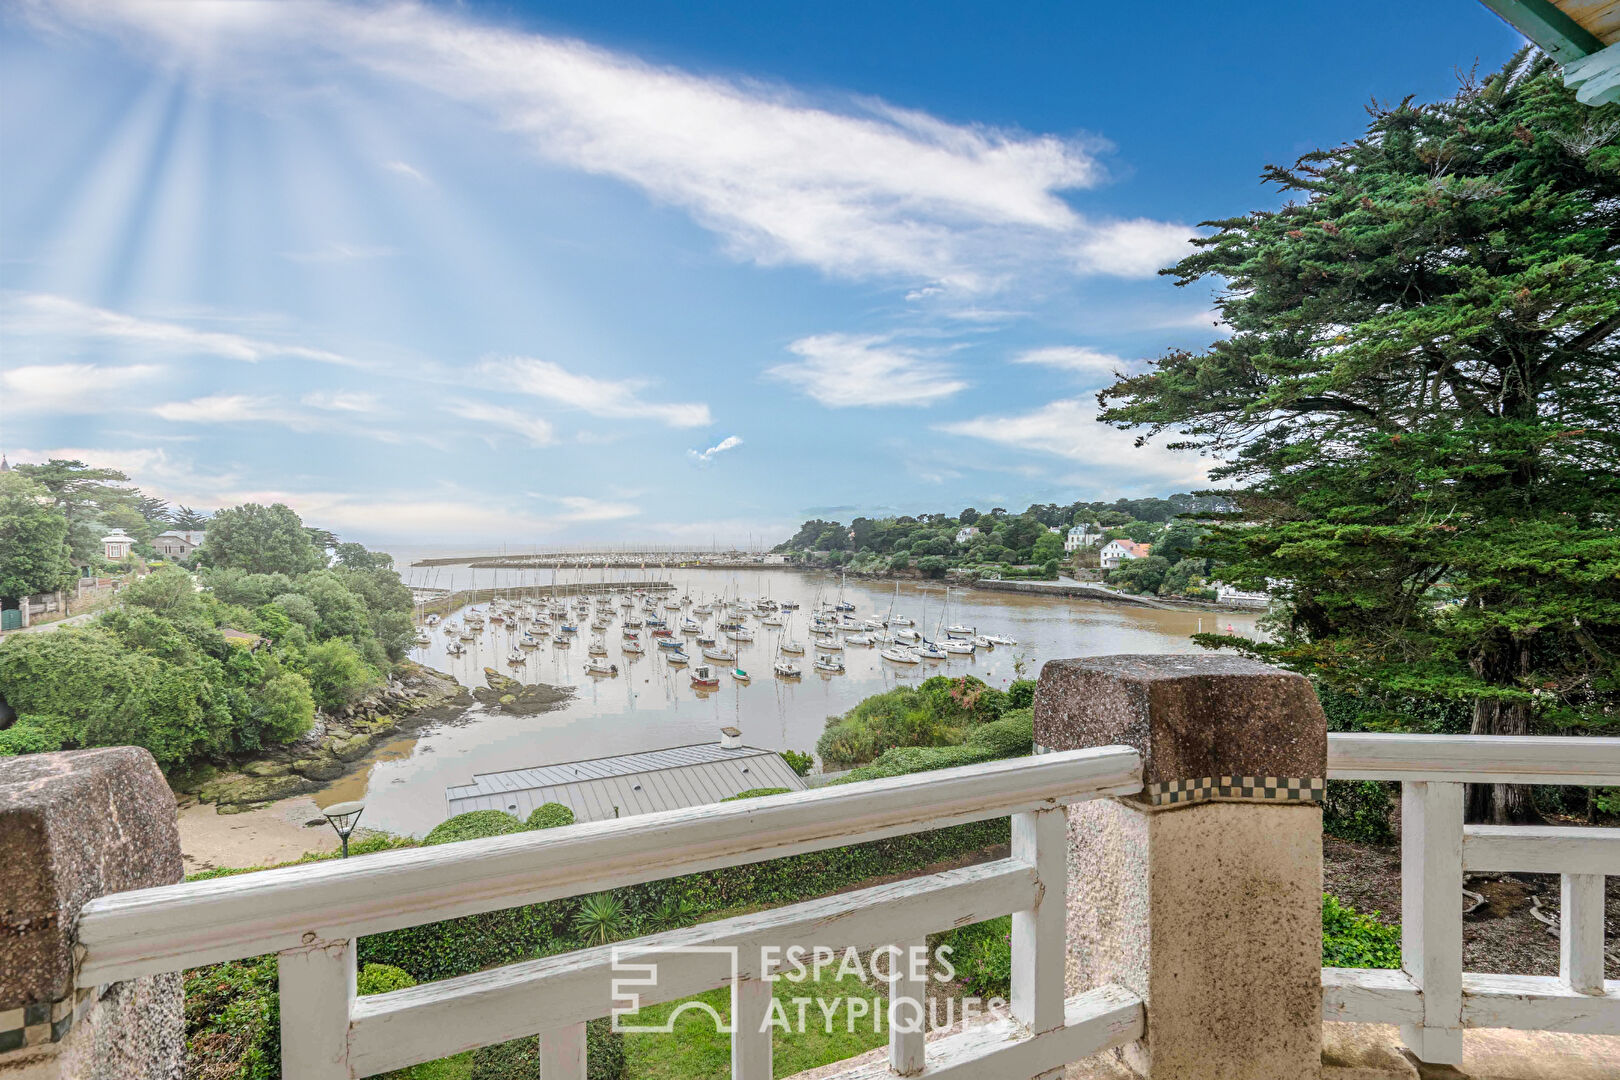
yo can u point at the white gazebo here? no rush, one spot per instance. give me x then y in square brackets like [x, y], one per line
[116, 545]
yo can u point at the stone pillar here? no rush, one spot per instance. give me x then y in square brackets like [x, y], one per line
[1202, 893]
[75, 826]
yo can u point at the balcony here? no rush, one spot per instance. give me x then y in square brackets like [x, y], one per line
[1109, 963]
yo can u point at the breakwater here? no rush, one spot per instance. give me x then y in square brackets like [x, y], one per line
[444, 605]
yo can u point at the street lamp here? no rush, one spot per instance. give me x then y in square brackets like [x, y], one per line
[343, 817]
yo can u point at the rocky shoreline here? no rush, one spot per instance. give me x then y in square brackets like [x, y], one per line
[411, 697]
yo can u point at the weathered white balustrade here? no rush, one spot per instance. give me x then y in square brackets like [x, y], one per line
[311, 916]
[1432, 998]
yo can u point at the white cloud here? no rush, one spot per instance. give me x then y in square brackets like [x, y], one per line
[345, 401]
[581, 508]
[538, 431]
[614, 399]
[1075, 358]
[341, 253]
[223, 409]
[1069, 429]
[844, 370]
[703, 457]
[406, 169]
[65, 389]
[855, 187]
[1137, 248]
[44, 315]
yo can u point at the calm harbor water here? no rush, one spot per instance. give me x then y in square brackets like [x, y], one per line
[651, 704]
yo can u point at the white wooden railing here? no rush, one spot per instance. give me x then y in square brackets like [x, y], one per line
[1432, 998]
[311, 916]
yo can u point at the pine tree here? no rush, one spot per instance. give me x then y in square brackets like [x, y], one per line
[1417, 410]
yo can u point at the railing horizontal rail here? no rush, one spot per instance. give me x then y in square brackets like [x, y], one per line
[1536, 849]
[147, 931]
[1092, 1022]
[1523, 1002]
[1475, 759]
[435, 1020]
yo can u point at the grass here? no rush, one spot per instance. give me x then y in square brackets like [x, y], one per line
[695, 1051]
[450, 1068]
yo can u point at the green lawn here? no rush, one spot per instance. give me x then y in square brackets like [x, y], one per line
[695, 1051]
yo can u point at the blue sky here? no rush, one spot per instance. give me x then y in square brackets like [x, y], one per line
[477, 273]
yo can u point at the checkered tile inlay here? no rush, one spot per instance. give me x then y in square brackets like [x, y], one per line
[1258, 788]
[42, 1022]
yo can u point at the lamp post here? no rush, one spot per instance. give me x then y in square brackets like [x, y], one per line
[343, 817]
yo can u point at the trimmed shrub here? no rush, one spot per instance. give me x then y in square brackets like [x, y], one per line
[1358, 810]
[551, 815]
[381, 978]
[473, 825]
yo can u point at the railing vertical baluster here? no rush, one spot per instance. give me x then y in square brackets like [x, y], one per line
[1431, 915]
[1039, 949]
[562, 1053]
[750, 1036]
[316, 984]
[908, 1010]
[1580, 932]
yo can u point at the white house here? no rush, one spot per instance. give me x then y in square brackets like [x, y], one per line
[178, 543]
[116, 545]
[1226, 594]
[1082, 536]
[1117, 551]
[966, 533]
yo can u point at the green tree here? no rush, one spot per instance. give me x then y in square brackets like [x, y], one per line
[260, 540]
[1048, 548]
[1417, 407]
[80, 494]
[968, 516]
[931, 565]
[337, 674]
[33, 539]
[184, 517]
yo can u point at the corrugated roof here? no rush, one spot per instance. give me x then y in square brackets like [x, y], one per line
[668, 779]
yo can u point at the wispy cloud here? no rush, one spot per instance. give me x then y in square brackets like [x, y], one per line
[846, 370]
[613, 399]
[333, 253]
[703, 457]
[1074, 358]
[345, 401]
[536, 430]
[72, 388]
[582, 508]
[406, 169]
[225, 409]
[853, 186]
[1069, 429]
[41, 315]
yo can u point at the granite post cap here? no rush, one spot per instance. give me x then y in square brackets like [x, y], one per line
[74, 825]
[1201, 723]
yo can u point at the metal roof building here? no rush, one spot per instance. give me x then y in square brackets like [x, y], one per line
[629, 784]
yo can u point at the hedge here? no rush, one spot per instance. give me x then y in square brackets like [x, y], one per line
[474, 825]
[551, 815]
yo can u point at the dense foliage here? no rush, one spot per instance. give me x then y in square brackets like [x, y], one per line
[997, 542]
[34, 552]
[550, 815]
[1351, 939]
[1417, 408]
[938, 712]
[158, 672]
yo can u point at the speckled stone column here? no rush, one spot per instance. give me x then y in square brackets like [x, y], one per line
[1203, 893]
[75, 826]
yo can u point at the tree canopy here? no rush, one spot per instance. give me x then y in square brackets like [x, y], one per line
[260, 540]
[1416, 408]
[34, 554]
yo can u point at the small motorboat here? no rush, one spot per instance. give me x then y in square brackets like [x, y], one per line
[830, 644]
[787, 669]
[455, 648]
[843, 605]
[960, 631]
[790, 605]
[677, 658]
[423, 638]
[929, 651]
[724, 655]
[830, 664]
[772, 620]
[739, 675]
[704, 675]
[568, 628]
[858, 639]
[691, 626]
[705, 639]
[562, 641]
[907, 634]
[598, 647]
[996, 639]
[631, 645]
[670, 643]
[528, 641]
[741, 635]
[794, 648]
[899, 654]
[433, 620]
[515, 657]
[983, 642]
[901, 620]
[957, 645]
[594, 666]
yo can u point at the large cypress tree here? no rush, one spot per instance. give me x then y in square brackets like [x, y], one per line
[1417, 408]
